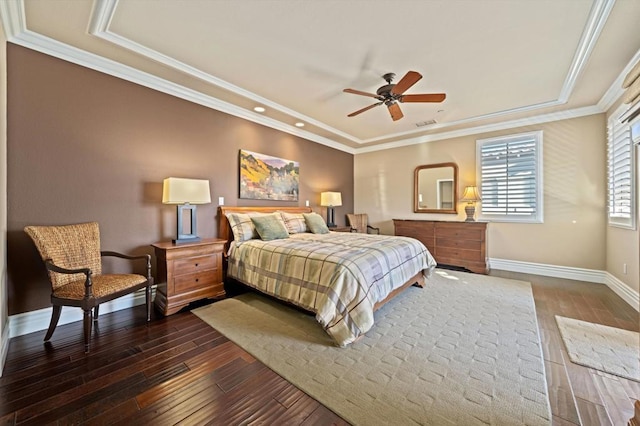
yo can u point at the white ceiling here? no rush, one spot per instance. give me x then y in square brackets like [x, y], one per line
[500, 62]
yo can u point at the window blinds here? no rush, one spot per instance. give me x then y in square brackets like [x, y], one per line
[620, 173]
[509, 177]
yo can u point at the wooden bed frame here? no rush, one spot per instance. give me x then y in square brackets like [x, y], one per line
[225, 233]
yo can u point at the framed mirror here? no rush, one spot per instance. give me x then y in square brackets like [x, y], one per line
[435, 188]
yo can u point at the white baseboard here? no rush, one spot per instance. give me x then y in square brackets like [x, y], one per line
[28, 322]
[624, 291]
[629, 295]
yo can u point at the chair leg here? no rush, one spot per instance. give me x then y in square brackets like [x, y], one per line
[95, 313]
[148, 300]
[88, 322]
[55, 316]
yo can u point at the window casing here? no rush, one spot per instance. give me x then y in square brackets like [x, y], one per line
[621, 199]
[509, 176]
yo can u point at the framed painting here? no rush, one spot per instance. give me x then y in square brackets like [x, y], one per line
[263, 177]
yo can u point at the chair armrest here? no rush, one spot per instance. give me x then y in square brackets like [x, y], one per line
[373, 228]
[88, 292]
[125, 256]
[52, 267]
[147, 257]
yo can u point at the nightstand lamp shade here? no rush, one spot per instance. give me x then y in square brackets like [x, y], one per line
[330, 200]
[471, 196]
[186, 193]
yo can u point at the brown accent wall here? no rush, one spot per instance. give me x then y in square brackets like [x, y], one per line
[86, 146]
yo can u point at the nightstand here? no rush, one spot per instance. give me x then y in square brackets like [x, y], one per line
[188, 272]
[341, 229]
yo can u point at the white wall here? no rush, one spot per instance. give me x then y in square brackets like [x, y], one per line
[574, 230]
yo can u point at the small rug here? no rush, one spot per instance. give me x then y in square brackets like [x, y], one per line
[464, 350]
[609, 349]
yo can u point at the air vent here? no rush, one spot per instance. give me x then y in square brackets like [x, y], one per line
[425, 123]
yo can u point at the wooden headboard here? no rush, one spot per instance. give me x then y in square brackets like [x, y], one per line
[224, 229]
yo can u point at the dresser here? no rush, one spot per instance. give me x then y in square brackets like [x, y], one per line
[462, 244]
[188, 272]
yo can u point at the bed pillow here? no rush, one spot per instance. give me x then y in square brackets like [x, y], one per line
[294, 222]
[270, 227]
[315, 223]
[242, 227]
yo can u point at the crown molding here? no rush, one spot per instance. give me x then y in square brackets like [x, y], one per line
[505, 125]
[13, 17]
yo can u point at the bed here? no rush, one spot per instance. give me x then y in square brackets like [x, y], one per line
[340, 277]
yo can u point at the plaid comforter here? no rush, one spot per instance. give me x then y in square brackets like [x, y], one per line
[337, 276]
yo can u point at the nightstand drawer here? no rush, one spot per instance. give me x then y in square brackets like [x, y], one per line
[195, 280]
[194, 264]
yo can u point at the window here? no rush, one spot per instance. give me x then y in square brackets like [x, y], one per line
[510, 178]
[620, 173]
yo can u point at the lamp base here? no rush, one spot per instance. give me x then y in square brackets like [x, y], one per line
[470, 210]
[186, 240]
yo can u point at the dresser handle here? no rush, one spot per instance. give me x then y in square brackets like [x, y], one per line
[196, 265]
[197, 279]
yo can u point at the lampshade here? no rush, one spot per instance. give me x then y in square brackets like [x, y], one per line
[330, 199]
[181, 191]
[471, 194]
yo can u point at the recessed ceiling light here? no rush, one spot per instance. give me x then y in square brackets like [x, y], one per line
[299, 124]
[259, 109]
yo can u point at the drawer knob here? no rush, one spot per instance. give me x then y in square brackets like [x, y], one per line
[196, 264]
[197, 279]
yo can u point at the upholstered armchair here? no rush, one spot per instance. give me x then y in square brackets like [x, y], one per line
[73, 259]
[360, 223]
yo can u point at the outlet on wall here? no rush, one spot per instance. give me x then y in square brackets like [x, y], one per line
[624, 268]
[306, 203]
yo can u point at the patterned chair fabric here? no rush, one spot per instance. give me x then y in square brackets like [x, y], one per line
[73, 259]
[360, 223]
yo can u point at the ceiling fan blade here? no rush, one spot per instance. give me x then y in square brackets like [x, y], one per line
[358, 92]
[364, 109]
[395, 111]
[426, 97]
[406, 82]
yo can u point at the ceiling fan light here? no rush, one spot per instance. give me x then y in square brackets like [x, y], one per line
[259, 109]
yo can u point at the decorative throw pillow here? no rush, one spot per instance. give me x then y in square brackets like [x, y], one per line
[294, 222]
[270, 227]
[242, 227]
[315, 222]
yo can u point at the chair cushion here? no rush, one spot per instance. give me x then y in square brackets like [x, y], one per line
[68, 246]
[359, 222]
[103, 285]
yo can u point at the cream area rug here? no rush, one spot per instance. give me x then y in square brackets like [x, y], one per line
[464, 350]
[609, 349]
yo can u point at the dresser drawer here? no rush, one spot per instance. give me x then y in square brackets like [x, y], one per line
[194, 264]
[457, 232]
[459, 244]
[443, 253]
[195, 280]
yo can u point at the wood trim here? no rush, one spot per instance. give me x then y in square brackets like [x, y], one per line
[417, 279]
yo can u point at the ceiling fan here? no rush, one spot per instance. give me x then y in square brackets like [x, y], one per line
[390, 94]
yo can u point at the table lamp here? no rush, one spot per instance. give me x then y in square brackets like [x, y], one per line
[471, 196]
[330, 200]
[186, 193]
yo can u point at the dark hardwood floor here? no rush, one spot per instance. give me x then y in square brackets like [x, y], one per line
[179, 370]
